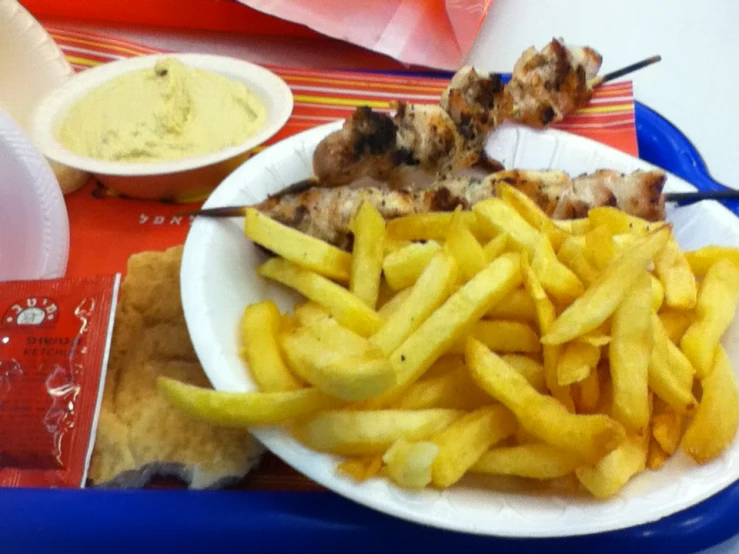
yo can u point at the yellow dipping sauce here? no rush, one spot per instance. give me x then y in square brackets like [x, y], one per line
[164, 113]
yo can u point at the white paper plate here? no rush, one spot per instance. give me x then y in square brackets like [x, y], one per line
[34, 230]
[218, 281]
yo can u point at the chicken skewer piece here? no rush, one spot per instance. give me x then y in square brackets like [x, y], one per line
[545, 86]
[326, 213]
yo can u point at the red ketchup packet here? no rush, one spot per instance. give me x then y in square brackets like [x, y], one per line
[54, 342]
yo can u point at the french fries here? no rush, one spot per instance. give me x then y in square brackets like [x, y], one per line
[673, 270]
[260, 327]
[465, 249]
[590, 436]
[629, 353]
[429, 226]
[346, 376]
[534, 460]
[491, 341]
[714, 311]
[297, 247]
[409, 463]
[464, 441]
[248, 409]
[612, 472]
[340, 303]
[362, 433]
[403, 267]
[715, 424]
[429, 292]
[603, 297]
[576, 362]
[369, 239]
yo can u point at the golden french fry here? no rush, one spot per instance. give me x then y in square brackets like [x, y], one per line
[714, 311]
[555, 277]
[244, 409]
[297, 247]
[391, 245]
[603, 297]
[502, 336]
[611, 473]
[403, 267]
[368, 254]
[673, 270]
[658, 293]
[532, 213]
[534, 460]
[667, 374]
[590, 436]
[629, 354]
[347, 376]
[465, 249]
[428, 226]
[362, 433]
[656, 457]
[517, 305]
[392, 305]
[600, 336]
[495, 217]
[677, 362]
[361, 469]
[546, 315]
[464, 441]
[330, 333]
[572, 255]
[495, 247]
[573, 226]
[576, 362]
[532, 370]
[600, 247]
[454, 318]
[703, 259]
[444, 365]
[409, 463]
[428, 293]
[619, 222]
[339, 302]
[668, 427]
[715, 424]
[454, 390]
[676, 322]
[586, 394]
[260, 327]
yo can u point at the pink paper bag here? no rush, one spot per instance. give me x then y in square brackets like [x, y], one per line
[432, 33]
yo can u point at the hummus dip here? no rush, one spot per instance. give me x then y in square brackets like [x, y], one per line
[164, 113]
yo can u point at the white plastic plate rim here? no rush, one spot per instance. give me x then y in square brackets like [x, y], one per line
[218, 281]
[32, 206]
[269, 88]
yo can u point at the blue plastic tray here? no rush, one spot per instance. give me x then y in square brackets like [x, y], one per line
[58, 521]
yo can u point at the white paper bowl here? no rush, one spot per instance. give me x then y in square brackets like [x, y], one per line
[34, 229]
[175, 180]
[218, 280]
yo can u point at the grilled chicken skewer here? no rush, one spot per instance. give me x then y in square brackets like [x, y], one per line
[545, 86]
[326, 213]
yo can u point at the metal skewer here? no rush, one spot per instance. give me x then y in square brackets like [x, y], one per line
[679, 197]
[596, 81]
